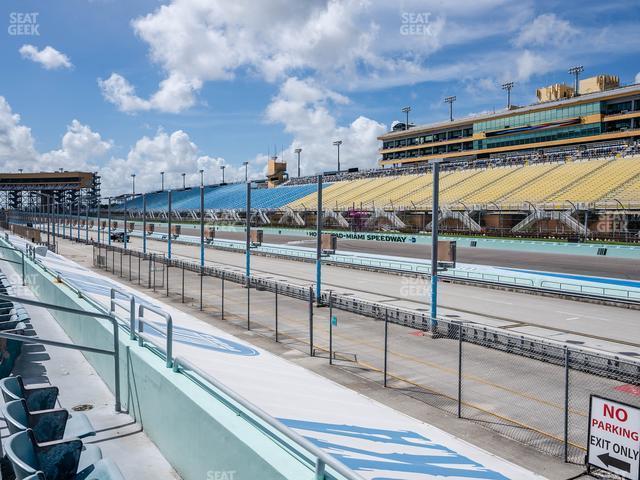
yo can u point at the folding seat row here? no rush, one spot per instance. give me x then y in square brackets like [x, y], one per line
[13, 319]
[44, 441]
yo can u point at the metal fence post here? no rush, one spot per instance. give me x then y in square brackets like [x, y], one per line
[222, 306]
[149, 275]
[116, 357]
[330, 327]
[566, 404]
[23, 277]
[460, 369]
[248, 303]
[182, 282]
[167, 269]
[201, 279]
[311, 321]
[386, 343]
[132, 317]
[276, 307]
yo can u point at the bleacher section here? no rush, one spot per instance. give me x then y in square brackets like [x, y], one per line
[554, 178]
[222, 197]
[576, 181]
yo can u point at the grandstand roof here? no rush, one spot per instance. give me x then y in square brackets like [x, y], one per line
[468, 120]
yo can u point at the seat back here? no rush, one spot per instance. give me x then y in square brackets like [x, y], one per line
[36, 476]
[20, 449]
[15, 414]
[12, 388]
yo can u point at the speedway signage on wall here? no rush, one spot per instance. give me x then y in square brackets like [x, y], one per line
[375, 237]
[614, 437]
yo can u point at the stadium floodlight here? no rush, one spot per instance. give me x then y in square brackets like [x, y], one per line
[201, 177]
[450, 101]
[20, 170]
[184, 185]
[406, 111]
[337, 143]
[297, 152]
[508, 86]
[576, 71]
[133, 184]
[222, 167]
[162, 181]
[246, 170]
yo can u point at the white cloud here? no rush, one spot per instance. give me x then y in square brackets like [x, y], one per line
[637, 79]
[48, 57]
[341, 44]
[175, 94]
[16, 142]
[81, 147]
[172, 153]
[303, 108]
[546, 29]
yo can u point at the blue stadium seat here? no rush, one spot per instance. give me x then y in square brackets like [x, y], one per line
[37, 398]
[47, 425]
[227, 197]
[59, 460]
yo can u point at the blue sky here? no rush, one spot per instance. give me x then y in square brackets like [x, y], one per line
[145, 86]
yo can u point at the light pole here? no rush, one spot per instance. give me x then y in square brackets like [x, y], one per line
[508, 86]
[298, 151]
[406, 110]
[337, 143]
[246, 171]
[434, 245]
[162, 177]
[319, 242]
[201, 177]
[184, 185]
[108, 221]
[222, 167]
[144, 223]
[576, 71]
[450, 101]
[169, 233]
[133, 183]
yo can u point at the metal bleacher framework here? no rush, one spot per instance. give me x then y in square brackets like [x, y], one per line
[579, 191]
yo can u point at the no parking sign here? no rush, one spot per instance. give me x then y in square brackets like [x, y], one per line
[614, 437]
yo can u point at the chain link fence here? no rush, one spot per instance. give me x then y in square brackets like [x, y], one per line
[524, 387]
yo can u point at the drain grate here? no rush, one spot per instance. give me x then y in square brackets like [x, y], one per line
[82, 408]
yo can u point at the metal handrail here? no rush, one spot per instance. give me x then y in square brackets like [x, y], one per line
[13, 261]
[132, 309]
[169, 348]
[322, 458]
[111, 318]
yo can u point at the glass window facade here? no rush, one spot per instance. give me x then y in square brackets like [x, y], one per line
[534, 118]
[549, 135]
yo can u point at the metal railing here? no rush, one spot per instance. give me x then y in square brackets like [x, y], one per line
[115, 352]
[169, 334]
[21, 262]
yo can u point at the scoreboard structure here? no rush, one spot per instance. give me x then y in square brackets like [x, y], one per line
[33, 190]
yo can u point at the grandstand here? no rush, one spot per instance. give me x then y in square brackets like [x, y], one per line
[582, 184]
